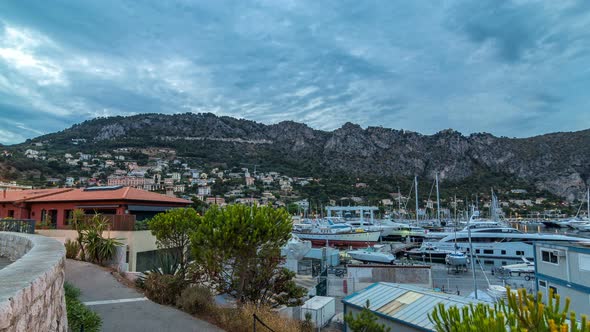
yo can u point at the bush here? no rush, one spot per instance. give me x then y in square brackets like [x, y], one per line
[195, 299]
[163, 288]
[98, 249]
[240, 319]
[78, 314]
[72, 249]
[71, 291]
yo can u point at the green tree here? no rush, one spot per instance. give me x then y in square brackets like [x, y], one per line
[364, 321]
[521, 312]
[199, 205]
[238, 249]
[173, 230]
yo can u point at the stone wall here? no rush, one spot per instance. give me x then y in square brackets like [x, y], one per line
[31, 288]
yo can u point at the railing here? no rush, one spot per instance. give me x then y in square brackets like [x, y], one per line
[117, 222]
[18, 225]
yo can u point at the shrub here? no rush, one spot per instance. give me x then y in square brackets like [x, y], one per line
[97, 248]
[307, 324]
[162, 288]
[240, 319]
[519, 312]
[72, 249]
[365, 321]
[79, 316]
[195, 299]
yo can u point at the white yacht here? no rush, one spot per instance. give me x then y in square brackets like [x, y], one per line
[401, 231]
[475, 226]
[369, 226]
[499, 242]
[525, 267]
[326, 232]
[374, 254]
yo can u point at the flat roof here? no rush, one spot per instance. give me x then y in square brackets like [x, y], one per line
[317, 302]
[405, 304]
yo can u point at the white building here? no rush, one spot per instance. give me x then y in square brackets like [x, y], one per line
[204, 191]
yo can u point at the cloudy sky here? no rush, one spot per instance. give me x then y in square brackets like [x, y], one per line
[513, 68]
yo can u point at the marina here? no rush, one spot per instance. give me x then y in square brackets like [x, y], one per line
[475, 259]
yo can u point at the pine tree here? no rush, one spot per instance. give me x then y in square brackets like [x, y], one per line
[365, 321]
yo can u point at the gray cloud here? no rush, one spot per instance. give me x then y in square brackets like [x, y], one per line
[512, 68]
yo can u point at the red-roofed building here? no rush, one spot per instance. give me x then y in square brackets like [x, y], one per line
[56, 205]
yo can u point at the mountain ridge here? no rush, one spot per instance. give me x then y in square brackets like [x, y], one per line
[557, 162]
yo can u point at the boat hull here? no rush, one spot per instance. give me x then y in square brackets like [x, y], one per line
[352, 239]
[372, 257]
[437, 257]
[456, 260]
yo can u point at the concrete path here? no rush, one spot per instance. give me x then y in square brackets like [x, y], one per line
[124, 309]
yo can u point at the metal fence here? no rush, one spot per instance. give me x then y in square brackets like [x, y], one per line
[18, 225]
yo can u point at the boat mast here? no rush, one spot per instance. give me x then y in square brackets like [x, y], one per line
[471, 252]
[399, 203]
[416, 192]
[455, 223]
[588, 203]
[493, 207]
[437, 201]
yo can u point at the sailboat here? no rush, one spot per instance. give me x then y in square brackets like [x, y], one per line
[457, 258]
[581, 224]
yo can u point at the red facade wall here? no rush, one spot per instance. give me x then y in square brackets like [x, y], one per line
[35, 210]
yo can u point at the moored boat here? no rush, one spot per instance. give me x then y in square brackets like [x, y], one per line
[327, 233]
[372, 255]
[457, 259]
[429, 253]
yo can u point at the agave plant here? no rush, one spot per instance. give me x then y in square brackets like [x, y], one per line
[166, 264]
[98, 249]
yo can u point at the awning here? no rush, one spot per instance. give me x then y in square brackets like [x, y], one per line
[149, 208]
[97, 206]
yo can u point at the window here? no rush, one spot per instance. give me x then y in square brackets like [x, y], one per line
[68, 216]
[10, 213]
[584, 262]
[488, 262]
[549, 257]
[503, 252]
[542, 283]
[551, 288]
[477, 251]
[519, 253]
[488, 251]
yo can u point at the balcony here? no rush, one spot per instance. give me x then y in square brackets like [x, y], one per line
[117, 222]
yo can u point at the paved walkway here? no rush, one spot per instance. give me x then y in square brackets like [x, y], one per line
[124, 309]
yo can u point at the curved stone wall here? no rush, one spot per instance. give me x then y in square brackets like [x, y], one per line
[31, 288]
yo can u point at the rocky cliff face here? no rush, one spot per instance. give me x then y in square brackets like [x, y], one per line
[559, 162]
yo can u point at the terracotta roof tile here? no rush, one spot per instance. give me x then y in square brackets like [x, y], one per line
[124, 193]
[20, 195]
